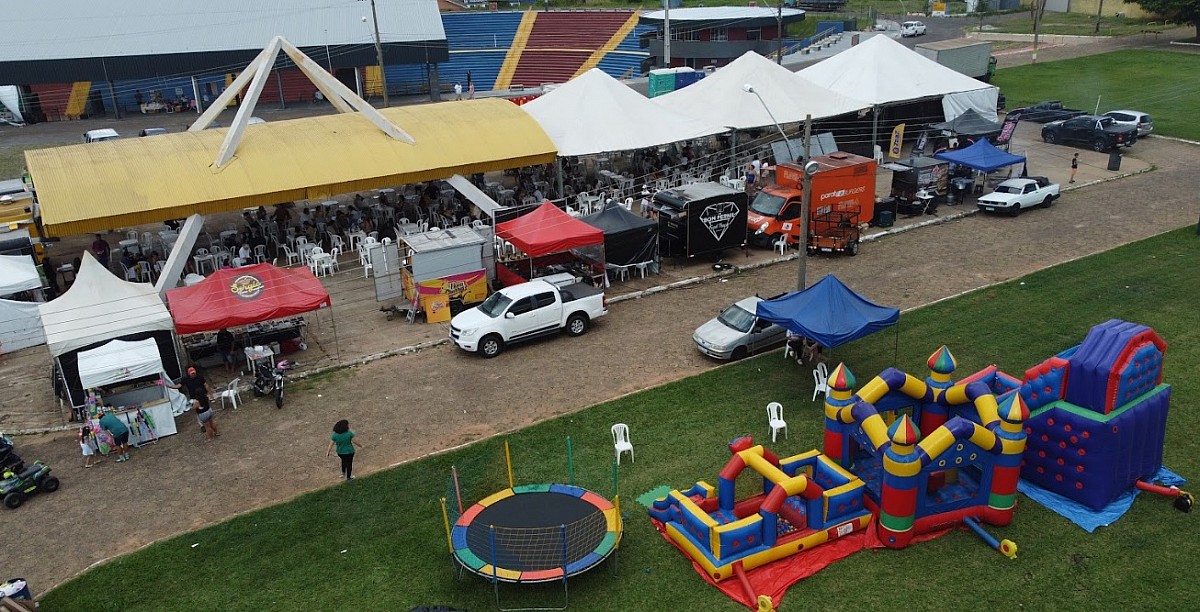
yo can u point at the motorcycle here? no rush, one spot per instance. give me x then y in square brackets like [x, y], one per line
[269, 379]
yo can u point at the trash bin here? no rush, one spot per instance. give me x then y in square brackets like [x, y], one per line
[16, 588]
[1114, 160]
[885, 218]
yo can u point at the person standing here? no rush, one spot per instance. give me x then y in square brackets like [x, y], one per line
[119, 432]
[750, 176]
[225, 346]
[457, 91]
[198, 390]
[1074, 167]
[101, 250]
[343, 442]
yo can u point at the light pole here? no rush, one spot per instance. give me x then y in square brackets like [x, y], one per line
[779, 34]
[379, 54]
[1037, 18]
[810, 168]
[748, 88]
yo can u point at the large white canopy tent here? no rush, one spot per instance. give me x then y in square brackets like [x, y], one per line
[882, 71]
[100, 307]
[20, 325]
[594, 113]
[720, 98]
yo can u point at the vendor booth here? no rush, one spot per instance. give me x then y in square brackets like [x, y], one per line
[444, 271]
[700, 219]
[629, 240]
[128, 378]
[548, 241]
[917, 182]
[260, 304]
[100, 307]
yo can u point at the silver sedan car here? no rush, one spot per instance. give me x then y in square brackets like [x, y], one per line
[738, 332]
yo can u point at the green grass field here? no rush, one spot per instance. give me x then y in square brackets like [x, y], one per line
[1165, 86]
[1075, 24]
[378, 542]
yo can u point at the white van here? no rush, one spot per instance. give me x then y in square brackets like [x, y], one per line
[100, 135]
[912, 28]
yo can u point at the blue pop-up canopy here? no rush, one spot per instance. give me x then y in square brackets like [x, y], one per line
[828, 312]
[982, 156]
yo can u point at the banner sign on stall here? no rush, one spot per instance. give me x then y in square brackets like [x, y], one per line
[1010, 126]
[894, 151]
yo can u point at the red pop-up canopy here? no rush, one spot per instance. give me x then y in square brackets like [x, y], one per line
[241, 296]
[548, 230]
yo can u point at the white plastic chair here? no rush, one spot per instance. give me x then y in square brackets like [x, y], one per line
[621, 443]
[821, 380]
[260, 253]
[292, 256]
[333, 260]
[781, 244]
[775, 420]
[232, 392]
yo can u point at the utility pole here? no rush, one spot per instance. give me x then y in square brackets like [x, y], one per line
[1037, 19]
[379, 55]
[805, 206]
[666, 33]
[1099, 9]
[779, 34]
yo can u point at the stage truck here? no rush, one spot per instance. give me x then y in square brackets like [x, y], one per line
[843, 182]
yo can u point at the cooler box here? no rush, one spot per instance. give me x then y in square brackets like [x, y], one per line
[885, 218]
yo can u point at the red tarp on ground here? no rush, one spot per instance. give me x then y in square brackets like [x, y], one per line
[548, 230]
[774, 579]
[241, 296]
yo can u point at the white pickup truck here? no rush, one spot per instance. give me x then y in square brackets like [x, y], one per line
[1017, 193]
[526, 311]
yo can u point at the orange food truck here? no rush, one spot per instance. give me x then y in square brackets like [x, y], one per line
[443, 271]
[843, 182]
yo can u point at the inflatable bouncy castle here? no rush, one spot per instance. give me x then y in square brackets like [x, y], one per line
[964, 469]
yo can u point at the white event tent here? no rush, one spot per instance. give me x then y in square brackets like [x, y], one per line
[720, 98]
[118, 361]
[883, 71]
[594, 113]
[100, 307]
[18, 273]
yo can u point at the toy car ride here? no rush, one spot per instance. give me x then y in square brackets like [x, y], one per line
[16, 487]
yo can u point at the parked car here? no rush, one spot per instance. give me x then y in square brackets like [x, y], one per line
[1099, 133]
[151, 132]
[912, 28]
[1050, 110]
[1137, 119]
[738, 332]
[1016, 194]
[100, 135]
[526, 311]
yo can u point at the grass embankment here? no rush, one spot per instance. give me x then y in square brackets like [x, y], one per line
[1075, 24]
[377, 543]
[1164, 84]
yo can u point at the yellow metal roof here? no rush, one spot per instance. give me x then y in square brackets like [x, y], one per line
[118, 183]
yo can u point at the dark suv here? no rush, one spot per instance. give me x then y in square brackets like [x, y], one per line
[1099, 133]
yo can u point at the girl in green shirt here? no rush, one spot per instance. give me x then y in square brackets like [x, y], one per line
[343, 441]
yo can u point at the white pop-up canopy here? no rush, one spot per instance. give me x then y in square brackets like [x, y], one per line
[98, 307]
[18, 273]
[721, 97]
[20, 325]
[595, 113]
[883, 71]
[117, 362]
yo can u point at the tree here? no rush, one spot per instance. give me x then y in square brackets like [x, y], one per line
[1178, 11]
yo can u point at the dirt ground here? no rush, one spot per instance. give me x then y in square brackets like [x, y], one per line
[183, 483]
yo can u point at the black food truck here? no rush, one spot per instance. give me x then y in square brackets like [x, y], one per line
[699, 219]
[913, 174]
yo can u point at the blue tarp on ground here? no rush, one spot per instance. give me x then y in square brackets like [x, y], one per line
[828, 312]
[982, 156]
[1091, 520]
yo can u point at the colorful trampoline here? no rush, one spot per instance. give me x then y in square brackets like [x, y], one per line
[536, 533]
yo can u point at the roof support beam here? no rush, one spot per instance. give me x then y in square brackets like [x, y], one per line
[255, 76]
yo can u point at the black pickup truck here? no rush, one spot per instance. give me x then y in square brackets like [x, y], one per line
[1050, 110]
[1099, 133]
